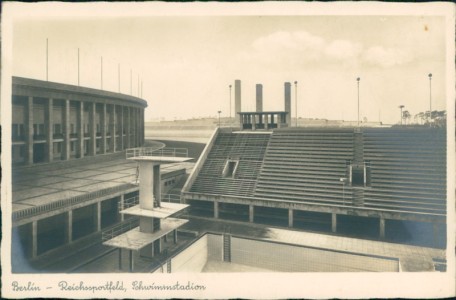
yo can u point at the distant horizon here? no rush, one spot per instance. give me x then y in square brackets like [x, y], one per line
[168, 60]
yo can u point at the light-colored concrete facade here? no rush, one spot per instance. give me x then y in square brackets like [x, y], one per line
[53, 121]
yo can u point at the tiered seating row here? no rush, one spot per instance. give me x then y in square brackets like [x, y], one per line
[306, 166]
[248, 149]
[408, 169]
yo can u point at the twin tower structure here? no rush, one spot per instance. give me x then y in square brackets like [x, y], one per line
[260, 119]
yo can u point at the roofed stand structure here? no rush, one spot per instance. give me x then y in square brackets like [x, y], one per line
[382, 175]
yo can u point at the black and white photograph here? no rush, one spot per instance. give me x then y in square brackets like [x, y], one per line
[228, 150]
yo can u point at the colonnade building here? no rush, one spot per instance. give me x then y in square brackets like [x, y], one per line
[69, 171]
[53, 121]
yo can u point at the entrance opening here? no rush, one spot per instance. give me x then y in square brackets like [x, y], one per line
[51, 233]
[39, 152]
[230, 168]
[236, 212]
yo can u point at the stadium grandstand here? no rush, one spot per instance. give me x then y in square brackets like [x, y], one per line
[385, 183]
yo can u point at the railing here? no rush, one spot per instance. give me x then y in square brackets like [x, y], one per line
[119, 229]
[130, 202]
[175, 198]
[153, 151]
[127, 203]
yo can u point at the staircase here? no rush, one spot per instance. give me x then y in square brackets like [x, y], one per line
[358, 197]
[227, 245]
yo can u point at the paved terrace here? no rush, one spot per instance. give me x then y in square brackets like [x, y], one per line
[43, 184]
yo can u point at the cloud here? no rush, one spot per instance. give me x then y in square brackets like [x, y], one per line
[343, 50]
[301, 48]
[388, 57]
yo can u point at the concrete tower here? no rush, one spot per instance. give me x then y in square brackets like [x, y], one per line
[237, 97]
[155, 220]
[288, 102]
[259, 97]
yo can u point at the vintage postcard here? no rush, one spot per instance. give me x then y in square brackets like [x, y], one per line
[263, 150]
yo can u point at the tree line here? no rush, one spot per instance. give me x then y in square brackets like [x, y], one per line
[436, 118]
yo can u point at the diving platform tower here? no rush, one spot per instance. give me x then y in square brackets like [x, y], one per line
[155, 220]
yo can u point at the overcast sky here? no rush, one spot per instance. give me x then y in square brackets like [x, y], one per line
[187, 63]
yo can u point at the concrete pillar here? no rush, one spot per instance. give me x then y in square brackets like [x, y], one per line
[49, 124]
[382, 228]
[216, 209]
[66, 130]
[259, 97]
[103, 128]
[127, 129]
[133, 127]
[29, 140]
[121, 136]
[165, 237]
[150, 184]
[133, 112]
[241, 122]
[237, 96]
[159, 242]
[136, 127]
[157, 185]
[80, 129]
[290, 218]
[287, 88]
[143, 127]
[334, 222]
[131, 262]
[251, 213]
[34, 239]
[175, 236]
[122, 200]
[138, 134]
[120, 258]
[93, 129]
[266, 121]
[69, 227]
[98, 215]
[253, 122]
[112, 128]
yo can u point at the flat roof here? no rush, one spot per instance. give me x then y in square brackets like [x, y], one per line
[166, 210]
[23, 86]
[47, 183]
[136, 240]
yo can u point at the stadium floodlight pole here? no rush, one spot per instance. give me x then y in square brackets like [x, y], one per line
[230, 102]
[296, 102]
[219, 112]
[358, 79]
[401, 107]
[430, 98]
